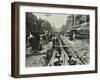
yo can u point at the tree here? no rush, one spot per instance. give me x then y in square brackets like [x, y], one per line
[31, 22]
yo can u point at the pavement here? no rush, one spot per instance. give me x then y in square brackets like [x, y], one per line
[38, 60]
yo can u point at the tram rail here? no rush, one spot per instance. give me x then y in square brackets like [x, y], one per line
[65, 54]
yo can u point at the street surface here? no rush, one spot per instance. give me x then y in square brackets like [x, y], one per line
[64, 52]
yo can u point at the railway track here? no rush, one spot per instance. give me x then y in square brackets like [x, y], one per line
[65, 54]
[76, 54]
[59, 56]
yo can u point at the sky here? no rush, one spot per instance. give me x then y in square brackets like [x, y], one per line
[55, 19]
